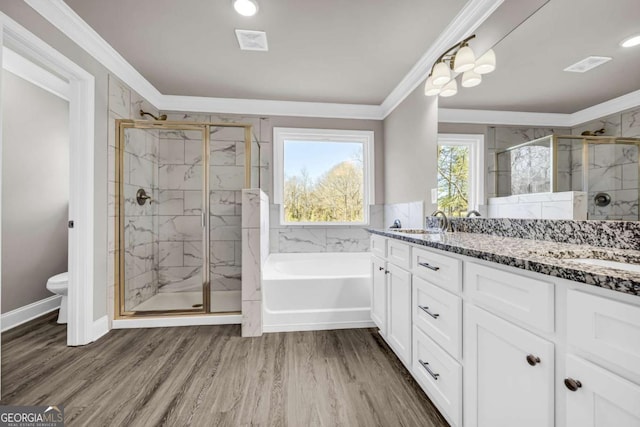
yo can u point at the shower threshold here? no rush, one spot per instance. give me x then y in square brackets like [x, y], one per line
[221, 301]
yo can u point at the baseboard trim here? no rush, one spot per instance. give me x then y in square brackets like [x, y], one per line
[29, 312]
[166, 322]
[318, 326]
[100, 327]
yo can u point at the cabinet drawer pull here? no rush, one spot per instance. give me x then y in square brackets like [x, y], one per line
[532, 360]
[425, 365]
[426, 310]
[572, 384]
[429, 266]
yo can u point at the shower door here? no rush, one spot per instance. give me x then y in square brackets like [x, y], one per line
[162, 186]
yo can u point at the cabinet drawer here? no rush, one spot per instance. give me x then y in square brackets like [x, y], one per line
[605, 328]
[379, 246]
[520, 298]
[438, 313]
[439, 376]
[439, 269]
[398, 253]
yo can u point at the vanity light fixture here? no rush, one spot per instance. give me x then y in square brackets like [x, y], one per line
[459, 58]
[631, 41]
[246, 7]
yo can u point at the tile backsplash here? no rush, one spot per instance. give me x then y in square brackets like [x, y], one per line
[411, 215]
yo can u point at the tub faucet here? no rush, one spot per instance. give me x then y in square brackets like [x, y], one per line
[474, 213]
[396, 224]
[445, 224]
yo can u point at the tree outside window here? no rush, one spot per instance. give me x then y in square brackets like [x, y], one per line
[453, 179]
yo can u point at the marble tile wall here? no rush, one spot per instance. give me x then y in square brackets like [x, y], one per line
[411, 215]
[139, 171]
[562, 205]
[255, 250]
[612, 169]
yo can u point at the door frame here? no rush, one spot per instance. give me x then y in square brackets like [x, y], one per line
[81, 97]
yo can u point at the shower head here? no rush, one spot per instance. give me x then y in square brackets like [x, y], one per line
[161, 118]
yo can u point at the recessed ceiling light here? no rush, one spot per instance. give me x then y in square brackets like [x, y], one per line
[245, 7]
[630, 42]
[587, 64]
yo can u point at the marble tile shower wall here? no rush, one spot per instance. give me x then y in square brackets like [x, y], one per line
[612, 169]
[139, 171]
[292, 239]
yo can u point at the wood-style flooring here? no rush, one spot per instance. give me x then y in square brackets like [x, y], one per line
[210, 376]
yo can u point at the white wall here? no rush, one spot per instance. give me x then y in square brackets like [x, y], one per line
[35, 190]
[411, 149]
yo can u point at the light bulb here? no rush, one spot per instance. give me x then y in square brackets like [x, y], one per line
[486, 63]
[464, 60]
[471, 79]
[441, 74]
[245, 7]
[449, 89]
[631, 41]
[429, 88]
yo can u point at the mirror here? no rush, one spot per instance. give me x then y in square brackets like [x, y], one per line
[587, 169]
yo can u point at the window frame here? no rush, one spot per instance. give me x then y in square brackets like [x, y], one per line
[475, 143]
[281, 134]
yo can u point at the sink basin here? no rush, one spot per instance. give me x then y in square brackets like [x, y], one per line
[635, 268]
[597, 258]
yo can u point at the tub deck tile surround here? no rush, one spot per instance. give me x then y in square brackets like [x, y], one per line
[255, 249]
[535, 251]
[209, 375]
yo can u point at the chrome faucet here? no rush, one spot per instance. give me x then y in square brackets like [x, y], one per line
[396, 224]
[445, 224]
[474, 213]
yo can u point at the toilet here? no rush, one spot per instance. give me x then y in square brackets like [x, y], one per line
[59, 285]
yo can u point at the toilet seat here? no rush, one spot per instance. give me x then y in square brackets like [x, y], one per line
[59, 284]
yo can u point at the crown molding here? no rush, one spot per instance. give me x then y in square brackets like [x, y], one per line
[509, 118]
[607, 108]
[522, 118]
[266, 107]
[472, 15]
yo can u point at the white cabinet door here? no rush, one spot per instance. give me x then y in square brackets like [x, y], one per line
[508, 375]
[379, 294]
[598, 398]
[399, 326]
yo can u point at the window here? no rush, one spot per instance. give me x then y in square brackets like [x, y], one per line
[323, 176]
[460, 178]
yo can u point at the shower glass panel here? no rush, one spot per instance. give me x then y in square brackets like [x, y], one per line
[525, 168]
[162, 234]
[178, 215]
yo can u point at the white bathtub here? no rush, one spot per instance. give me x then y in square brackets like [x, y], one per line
[314, 291]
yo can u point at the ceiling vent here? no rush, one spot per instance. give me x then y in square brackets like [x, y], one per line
[252, 40]
[587, 64]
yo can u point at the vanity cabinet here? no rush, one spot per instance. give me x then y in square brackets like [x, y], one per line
[596, 397]
[509, 374]
[495, 346]
[379, 293]
[399, 303]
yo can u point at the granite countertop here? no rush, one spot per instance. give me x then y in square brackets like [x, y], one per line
[535, 255]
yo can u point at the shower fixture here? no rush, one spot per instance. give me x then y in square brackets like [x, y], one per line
[142, 197]
[161, 118]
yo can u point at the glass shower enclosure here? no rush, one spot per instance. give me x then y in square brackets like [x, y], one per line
[606, 168]
[178, 215]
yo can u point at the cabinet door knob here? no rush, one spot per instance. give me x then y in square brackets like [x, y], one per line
[532, 360]
[380, 268]
[387, 272]
[572, 384]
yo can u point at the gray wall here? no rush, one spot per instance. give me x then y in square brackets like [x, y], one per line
[410, 150]
[35, 190]
[27, 17]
